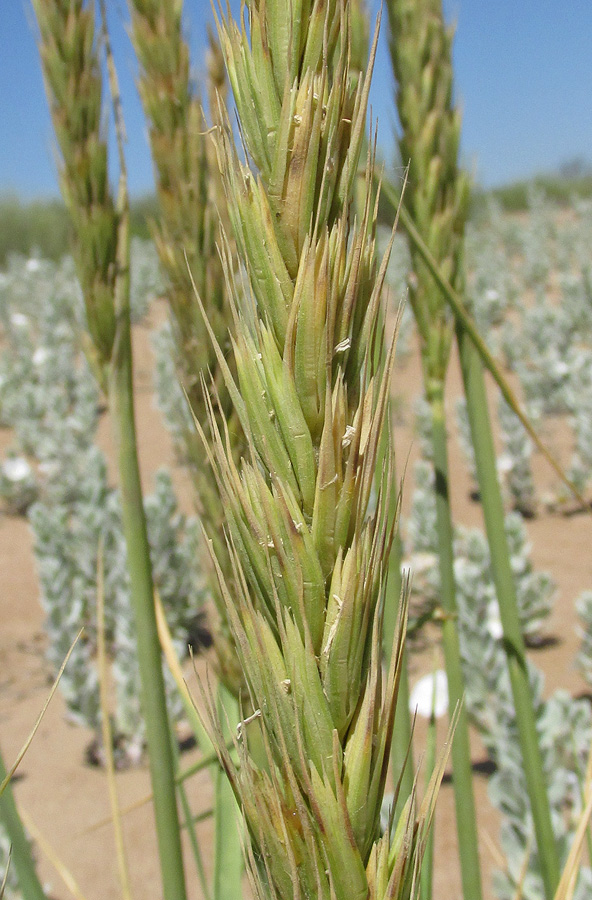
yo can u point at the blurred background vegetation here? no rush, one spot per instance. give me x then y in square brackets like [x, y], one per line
[40, 227]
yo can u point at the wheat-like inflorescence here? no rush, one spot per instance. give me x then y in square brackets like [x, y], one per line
[437, 193]
[74, 88]
[309, 538]
[191, 206]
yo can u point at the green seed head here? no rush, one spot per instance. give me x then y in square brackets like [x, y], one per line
[308, 524]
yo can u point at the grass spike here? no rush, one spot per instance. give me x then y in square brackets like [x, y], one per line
[303, 299]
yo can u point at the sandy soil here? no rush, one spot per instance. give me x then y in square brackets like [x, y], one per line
[65, 798]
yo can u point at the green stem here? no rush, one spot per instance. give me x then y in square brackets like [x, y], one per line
[152, 690]
[189, 822]
[22, 858]
[493, 511]
[464, 799]
[162, 767]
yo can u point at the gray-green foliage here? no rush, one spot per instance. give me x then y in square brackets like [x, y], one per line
[514, 464]
[564, 724]
[584, 657]
[547, 342]
[49, 397]
[423, 427]
[565, 727]
[529, 285]
[47, 393]
[421, 523]
[535, 238]
[538, 350]
[476, 591]
[146, 282]
[43, 375]
[68, 532]
[554, 365]
[579, 400]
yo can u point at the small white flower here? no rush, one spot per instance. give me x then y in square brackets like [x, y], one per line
[430, 691]
[494, 623]
[491, 294]
[40, 355]
[19, 320]
[561, 368]
[505, 463]
[33, 265]
[16, 469]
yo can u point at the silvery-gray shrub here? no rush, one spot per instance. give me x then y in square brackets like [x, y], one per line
[48, 395]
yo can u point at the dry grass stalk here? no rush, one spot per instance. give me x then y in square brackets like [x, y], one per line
[308, 537]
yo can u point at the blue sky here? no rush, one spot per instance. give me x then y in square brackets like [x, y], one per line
[523, 72]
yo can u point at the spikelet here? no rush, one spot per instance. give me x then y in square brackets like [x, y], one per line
[308, 530]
